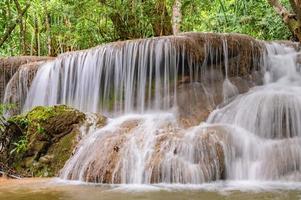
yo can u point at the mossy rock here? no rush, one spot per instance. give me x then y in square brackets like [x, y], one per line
[50, 137]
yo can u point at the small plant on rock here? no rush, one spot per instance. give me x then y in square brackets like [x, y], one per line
[20, 146]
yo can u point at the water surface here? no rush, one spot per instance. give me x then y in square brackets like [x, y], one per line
[55, 189]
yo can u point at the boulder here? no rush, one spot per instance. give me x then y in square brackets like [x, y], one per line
[46, 139]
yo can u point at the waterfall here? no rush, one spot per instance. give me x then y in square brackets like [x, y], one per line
[18, 86]
[137, 76]
[148, 148]
[271, 110]
[190, 108]
[266, 122]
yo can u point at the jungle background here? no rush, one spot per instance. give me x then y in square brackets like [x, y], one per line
[51, 27]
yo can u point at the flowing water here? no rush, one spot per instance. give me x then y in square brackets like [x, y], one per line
[254, 136]
[50, 190]
[251, 140]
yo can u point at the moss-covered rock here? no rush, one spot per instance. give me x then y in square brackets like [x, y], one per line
[49, 135]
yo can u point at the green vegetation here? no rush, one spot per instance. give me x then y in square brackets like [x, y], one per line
[20, 146]
[5, 107]
[51, 27]
[47, 139]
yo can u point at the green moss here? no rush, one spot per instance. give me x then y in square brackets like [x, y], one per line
[50, 134]
[42, 114]
[61, 151]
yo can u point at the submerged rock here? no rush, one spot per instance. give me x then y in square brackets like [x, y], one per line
[46, 140]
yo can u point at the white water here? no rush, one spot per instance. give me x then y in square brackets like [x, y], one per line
[110, 78]
[132, 76]
[152, 149]
[17, 88]
[267, 123]
[259, 133]
[254, 136]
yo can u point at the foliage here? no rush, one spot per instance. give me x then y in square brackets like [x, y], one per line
[51, 27]
[20, 146]
[252, 17]
[5, 107]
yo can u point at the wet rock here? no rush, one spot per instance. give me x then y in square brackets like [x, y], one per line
[17, 88]
[196, 100]
[47, 159]
[188, 157]
[104, 169]
[49, 136]
[10, 65]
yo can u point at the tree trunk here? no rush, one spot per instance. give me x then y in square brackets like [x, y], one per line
[176, 16]
[36, 34]
[292, 21]
[22, 32]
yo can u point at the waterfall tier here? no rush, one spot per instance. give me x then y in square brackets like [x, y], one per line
[159, 92]
[144, 75]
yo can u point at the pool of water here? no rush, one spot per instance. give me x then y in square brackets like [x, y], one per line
[52, 189]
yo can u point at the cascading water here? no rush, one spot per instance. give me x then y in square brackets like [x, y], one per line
[18, 87]
[137, 76]
[116, 78]
[148, 148]
[251, 136]
[266, 122]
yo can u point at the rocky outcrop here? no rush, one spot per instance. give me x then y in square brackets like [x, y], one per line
[39, 142]
[9, 66]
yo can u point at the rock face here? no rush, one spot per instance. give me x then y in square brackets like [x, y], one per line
[9, 66]
[41, 141]
[196, 100]
[17, 88]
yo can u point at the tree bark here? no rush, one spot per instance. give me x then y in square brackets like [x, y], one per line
[290, 19]
[12, 26]
[296, 6]
[176, 16]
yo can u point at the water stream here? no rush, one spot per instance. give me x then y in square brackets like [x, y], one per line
[249, 136]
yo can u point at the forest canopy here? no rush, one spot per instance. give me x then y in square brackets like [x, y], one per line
[51, 27]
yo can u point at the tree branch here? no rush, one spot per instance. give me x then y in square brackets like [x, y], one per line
[289, 19]
[278, 7]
